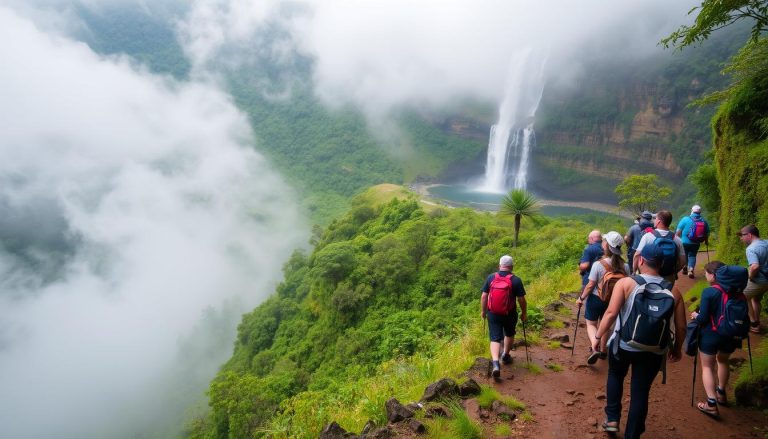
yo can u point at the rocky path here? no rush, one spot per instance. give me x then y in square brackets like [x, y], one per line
[570, 403]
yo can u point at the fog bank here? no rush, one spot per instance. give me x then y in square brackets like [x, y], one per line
[137, 225]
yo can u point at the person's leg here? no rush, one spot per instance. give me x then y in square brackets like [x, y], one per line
[754, 293]
[593, 310]
[614, 387]
[708, 373]
[645, 367]
[630, 255]
[496, 335]
[509, 336]
[723, 373]
[690, 251]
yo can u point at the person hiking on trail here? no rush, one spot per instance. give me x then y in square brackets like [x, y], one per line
[497, 303]
[715, 348]
[624, 325]
[596, 293]
[592, 252]
[757, 261]
[671, 245]
[693, 230]
[635, 232]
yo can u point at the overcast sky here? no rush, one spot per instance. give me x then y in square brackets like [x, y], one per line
[140, 224]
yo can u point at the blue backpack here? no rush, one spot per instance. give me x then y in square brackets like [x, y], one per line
[733, 319]
[669, 249]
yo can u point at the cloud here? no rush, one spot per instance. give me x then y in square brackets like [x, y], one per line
[135, 212]
[381, 54]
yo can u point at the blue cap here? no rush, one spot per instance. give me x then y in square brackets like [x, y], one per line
[652, 252]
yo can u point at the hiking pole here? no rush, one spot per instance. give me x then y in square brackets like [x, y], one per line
[707, 244]
[749, 349]
[573, 345]
[525, 341]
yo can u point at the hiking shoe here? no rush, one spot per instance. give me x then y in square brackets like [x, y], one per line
[685, 270]
[610, 426]
[690, 274]
[496, 370]
[506, 359]
[593, 356]
[603, 355]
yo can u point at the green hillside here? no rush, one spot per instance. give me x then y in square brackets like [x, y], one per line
[387, 282]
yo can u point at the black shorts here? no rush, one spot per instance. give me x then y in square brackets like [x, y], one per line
[595, 308]
[712, 343]
[500, 326]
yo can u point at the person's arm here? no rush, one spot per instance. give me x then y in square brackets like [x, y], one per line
[483, 304]
[636, 257]
[702, 316]
[680, 226]
[523, 308]
[584, 261]
[620, 293]
[753, 269]
[676, 353]
[586, 291]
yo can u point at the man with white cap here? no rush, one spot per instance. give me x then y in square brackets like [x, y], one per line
[497, 303]
[692, 230]
[611, 262]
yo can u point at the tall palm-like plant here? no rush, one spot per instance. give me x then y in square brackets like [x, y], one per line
[519, 203]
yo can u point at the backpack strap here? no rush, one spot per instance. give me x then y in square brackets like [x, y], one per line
[606, 265]
[639, 279]
[724, 299]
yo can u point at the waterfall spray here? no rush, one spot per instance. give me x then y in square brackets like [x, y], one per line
[513, 135]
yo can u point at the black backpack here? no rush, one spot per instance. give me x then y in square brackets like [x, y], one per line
[648, 324]
[669, 249]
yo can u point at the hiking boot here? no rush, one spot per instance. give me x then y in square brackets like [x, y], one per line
[496, 370]
[506, 359]
[593, 356]
[690, 273]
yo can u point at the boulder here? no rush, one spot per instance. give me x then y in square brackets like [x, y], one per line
[335, 431]
[469, 388]
[437, 411]
[397, 412]
[502, 411]
[367, 428]
[417, 427]
[444, 388]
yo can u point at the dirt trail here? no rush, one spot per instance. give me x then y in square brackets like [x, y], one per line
[570, 403]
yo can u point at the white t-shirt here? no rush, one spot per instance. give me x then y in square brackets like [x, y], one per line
[597, 272]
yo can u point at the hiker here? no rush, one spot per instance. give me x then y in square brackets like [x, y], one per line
[693, 230]
[592, 252]
[670, 243]
[602, 279]
[757, 262]
[716, 344]
[636, 231]
[497, 303]
[622, 323]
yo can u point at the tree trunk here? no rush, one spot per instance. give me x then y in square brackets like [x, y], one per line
[517, 227]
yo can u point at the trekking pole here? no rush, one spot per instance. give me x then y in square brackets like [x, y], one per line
[573, 345]
[525, 341]
[749, 349]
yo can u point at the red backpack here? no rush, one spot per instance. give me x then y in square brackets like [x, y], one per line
[698, 230]
[500, 300]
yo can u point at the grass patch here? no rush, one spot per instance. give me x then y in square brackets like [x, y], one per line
[459, 426]
[533, 368]
[760, 364]
[554, 345]
[488, 394]
[503, 430]
[554, 367]
[556, 324]
[526, 416]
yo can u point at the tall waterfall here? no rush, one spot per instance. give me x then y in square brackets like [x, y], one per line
[513, 135]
